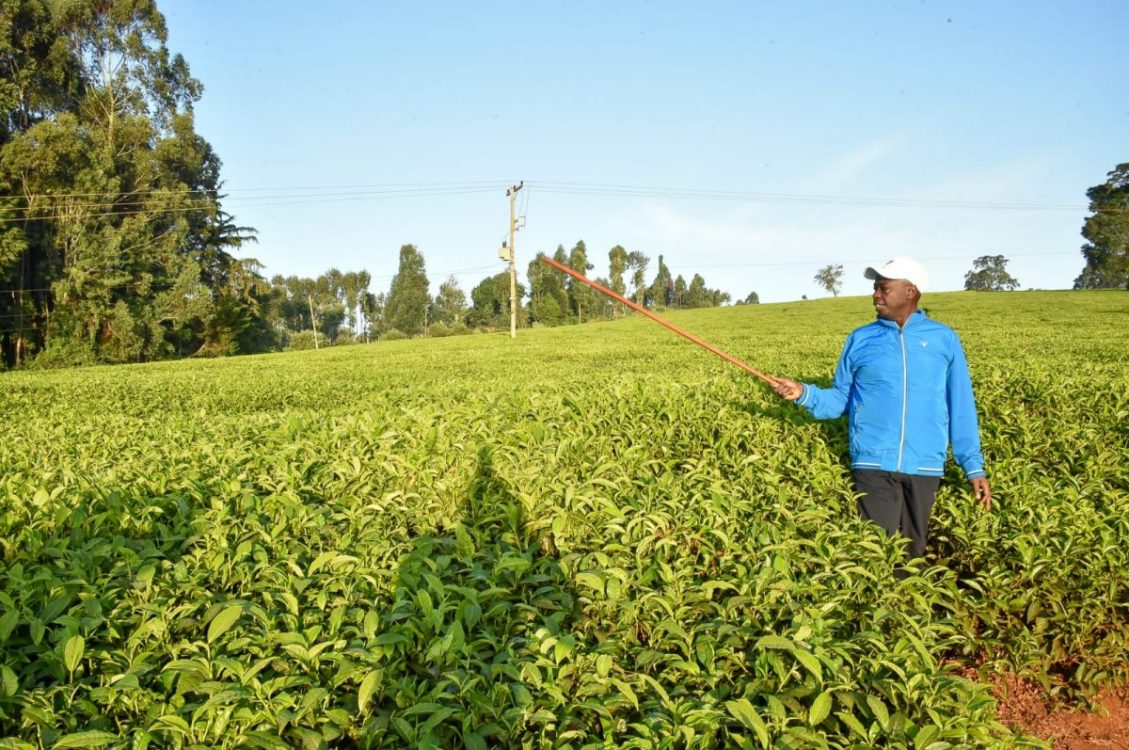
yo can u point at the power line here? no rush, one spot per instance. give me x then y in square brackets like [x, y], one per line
[871, 260]
[352, 197]
[392, 187]
[269, 196]
[437, 274]
[103, 214]
[162, 287]
[643, 191]
[59, 211]
[128, 201]
[525, 204]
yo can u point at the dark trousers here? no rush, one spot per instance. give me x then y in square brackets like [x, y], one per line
[899, 503]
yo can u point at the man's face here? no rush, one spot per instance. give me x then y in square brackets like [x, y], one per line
[894, 299]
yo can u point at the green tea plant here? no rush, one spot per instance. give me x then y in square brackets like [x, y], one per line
[588, 537]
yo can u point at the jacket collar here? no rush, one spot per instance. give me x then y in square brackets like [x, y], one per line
[916, 317]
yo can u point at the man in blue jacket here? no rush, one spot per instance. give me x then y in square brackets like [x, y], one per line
[903, 380]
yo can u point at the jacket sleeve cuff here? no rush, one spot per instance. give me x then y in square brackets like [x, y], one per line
[805, 397]
[974, 474]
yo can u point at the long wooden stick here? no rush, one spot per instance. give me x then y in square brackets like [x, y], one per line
[640, 309]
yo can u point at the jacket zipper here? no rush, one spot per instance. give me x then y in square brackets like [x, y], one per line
[905, 396]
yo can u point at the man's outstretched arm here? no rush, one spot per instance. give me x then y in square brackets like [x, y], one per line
[823, 403]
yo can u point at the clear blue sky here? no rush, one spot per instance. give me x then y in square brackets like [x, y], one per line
[834, 132]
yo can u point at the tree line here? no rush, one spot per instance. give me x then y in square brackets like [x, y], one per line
[338, 308]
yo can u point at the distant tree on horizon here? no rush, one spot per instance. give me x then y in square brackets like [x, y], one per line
[450, 304]
[989, 274]
[752, 299]
[580, 294]
[408, 299]
[830, 277]
[617, 265]
[662, 288]
[696, 292]
[548, 300]
[680, 289]
[490, 302]
[637, 263]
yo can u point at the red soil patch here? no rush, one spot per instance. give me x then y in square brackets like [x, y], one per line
[1023, 706]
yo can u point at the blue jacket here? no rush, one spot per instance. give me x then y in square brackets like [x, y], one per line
[909, 396]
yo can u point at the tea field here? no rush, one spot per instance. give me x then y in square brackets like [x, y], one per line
[595, 536]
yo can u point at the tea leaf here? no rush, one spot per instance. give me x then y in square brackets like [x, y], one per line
[86, 739]
[820, 708]
[744, 712]
[223, 621]
[73, 651]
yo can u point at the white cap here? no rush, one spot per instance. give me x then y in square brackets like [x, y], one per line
[901, 268]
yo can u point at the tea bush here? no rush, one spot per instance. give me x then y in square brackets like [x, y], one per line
[591, 536]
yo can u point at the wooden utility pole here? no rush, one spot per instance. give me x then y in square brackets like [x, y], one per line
[512, 193]
[313, 321]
